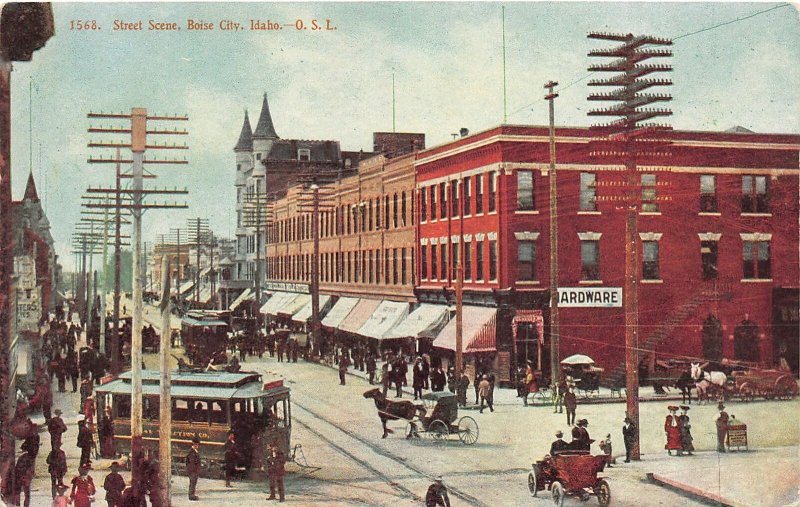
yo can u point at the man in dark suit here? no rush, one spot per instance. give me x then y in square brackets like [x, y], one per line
[56, 427]
[558, 444]
[193, 468]
[629, 437]
[231, 458]
[275, 463]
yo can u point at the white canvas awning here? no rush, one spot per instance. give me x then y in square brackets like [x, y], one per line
[276, 302]
[383, 319]
[305, 312]
[241, 299]
[339, 312]
[424, 322]
[293, 306]
[478, 331]
[186, 287]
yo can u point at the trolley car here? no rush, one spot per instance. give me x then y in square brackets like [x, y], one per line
[207, 406]
[205, 337]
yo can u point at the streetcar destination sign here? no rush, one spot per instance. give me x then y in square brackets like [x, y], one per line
[589, 297]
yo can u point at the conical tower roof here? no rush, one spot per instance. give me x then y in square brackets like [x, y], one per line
[246, 137]
[30, 190]
[265, 129]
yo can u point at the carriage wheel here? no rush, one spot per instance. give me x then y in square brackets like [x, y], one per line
[747, 392]
[412, 432]
[533, 480]
[603, 492]
[557, 489]
[467, 430]
[785, 388]
[438, 430]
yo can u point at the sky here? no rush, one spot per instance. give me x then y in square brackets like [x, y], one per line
[447, 62]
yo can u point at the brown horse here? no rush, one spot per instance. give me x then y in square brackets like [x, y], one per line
[392, 410]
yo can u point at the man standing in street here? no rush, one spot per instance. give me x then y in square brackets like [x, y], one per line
[371, 367]
[231, 458]
[722, 427]
[275, 463]
[571, 404]
[437, 494]
[629, 437]
[57, 467]
[343, 364]
[193, 468]
[559, 389]
[114, 485]
[84, 442]
[56, 427]
[484, 390]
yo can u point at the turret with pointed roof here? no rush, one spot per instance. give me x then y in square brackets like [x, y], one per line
[265, 129]
[246, 137]
[30, 190]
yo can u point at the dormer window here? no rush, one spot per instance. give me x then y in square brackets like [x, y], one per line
[348, 163]
[303, 154]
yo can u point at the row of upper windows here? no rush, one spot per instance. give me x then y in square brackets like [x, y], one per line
[439, 262]
[387, 212]
[464, 196]
[390, 266]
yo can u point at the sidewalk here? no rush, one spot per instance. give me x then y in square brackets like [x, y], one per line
[762, 477]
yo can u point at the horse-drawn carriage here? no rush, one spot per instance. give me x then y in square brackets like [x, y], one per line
[771, 384]
[571, 473]
[437, 418]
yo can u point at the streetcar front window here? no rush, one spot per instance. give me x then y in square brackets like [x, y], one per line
[180, 410]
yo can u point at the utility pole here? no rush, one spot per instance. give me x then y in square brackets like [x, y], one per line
[555, 332]
[627, 139]
[139, 131]
[255, 216]
[199, 234]
[165, 398]
[458, 253]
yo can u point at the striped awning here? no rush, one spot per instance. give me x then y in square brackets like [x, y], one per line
[530, 316]
[242, 298]
[294, 305]
[339, 312]
[277, 302]
[386, 316]
[478, 331]
[304, 313]
[422, 322]
[362, 311]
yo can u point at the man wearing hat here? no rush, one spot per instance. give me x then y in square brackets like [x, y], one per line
[571, 404]
[56, 427]
[83, 488]
[558, 444]
[114, 485]
[629, 437]
[722, 427]
[85, 440]
[57, 467]
[275, 463]
[686, 431]
[673, 430]
[193, 468]
[231, 458]
[483, 391]
[437, 494]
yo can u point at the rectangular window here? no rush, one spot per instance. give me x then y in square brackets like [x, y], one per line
[478, 194]
[378, 213]
[525, 200]
[650, 268]
[649, 203]
[708, 258]
[479, 261]
[403, 209]
[442, 200]
[443, 260]
[492, 260]
[377, 266]
[434, 262]
[395, 210]
[754, 194]
[465, 186]
[363, 207]
[386, 272]
[423, 252]
[369, 205]
[708, 193]
[433, 202]
[394, 266]
[492, 191]
[423, 205]
[303, 154]
[454, 198]
[386, 212]
[455, 249]
[467, 261]
[364, 266]
[590, 260]
[349, 267]
[526, 260]
[588, 192]
[403, 267]
[756, 263]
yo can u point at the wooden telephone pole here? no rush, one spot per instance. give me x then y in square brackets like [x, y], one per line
[555, 331]
[628, 140]
[138, 129]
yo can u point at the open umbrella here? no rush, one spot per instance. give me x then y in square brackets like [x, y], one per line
[578, 359]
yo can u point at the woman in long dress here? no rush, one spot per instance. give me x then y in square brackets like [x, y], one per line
[106, 431]
[672, 428]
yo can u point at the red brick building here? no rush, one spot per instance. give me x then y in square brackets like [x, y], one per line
[723, 250]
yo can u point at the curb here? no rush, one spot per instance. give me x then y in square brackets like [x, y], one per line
[691, 491]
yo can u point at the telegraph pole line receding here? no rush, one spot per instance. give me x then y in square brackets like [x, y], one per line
[555, 331]
[633, 142]
[139, 131]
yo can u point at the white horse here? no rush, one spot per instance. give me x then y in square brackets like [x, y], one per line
[707, 381]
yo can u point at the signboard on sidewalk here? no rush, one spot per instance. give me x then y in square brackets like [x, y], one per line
[590, 297]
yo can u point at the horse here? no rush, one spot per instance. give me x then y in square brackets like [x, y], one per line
[392, 410]
[706, 381]
[685, 383]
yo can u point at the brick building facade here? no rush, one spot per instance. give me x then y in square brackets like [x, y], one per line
[722, 251]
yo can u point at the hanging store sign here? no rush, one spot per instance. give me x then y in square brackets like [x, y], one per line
[590, 297]
[287, 287]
